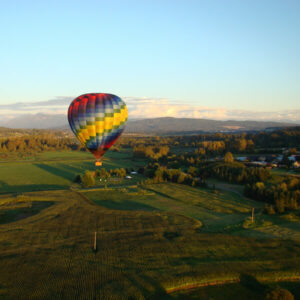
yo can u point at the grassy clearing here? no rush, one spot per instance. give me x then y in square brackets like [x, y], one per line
[216, 211]
[25, 177]
[236, 188]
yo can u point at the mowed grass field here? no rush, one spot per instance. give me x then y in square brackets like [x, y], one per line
[221, 212]
[55, 170]
[215, 211]
[152, 242]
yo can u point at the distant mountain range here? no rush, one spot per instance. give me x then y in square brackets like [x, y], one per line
[38, 121]
[149, 126]
[185, 125]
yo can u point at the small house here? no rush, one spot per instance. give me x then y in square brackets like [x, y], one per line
[296, 164]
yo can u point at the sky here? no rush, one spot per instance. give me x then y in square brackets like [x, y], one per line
[220, 59]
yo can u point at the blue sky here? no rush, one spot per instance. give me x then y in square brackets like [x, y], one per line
[232, 55]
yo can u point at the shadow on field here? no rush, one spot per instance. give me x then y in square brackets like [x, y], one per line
[88, 165]
[19, 213]
[152, 285]
[74, 170]
[285, 223]
[251, 283]
[3, 184]
[161, 194]
[56, 171]
[126, 205]
[253, 233]
[15, 189]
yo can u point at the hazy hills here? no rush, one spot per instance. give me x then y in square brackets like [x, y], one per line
[148, 126]
[38, 121]
[185, 125]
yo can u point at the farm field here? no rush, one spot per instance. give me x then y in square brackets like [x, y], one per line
[200, 204]
[224, 212]
[154, 241]
[55, 170]
[151, 241]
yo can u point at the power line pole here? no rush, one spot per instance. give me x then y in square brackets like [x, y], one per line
[95, 241]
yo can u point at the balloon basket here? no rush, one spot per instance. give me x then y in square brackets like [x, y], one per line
[98, 163]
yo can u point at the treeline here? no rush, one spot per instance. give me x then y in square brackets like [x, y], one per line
[158, 174]
[156, 147]
[88, 178]
[13, 132]
[38, 143]
[213, 143]
[289, 137]
[230, 172]
[235, 144]
[279, 197]
[224, 169]
[206, 144]
[233, 172]
[156, 153]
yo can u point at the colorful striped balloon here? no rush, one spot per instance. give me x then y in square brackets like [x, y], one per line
[97, 120]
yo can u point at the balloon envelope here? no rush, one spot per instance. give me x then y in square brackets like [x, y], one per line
[97, 120]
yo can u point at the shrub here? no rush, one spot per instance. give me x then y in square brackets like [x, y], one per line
[279, 294]
[88, 179]
[22, 198]
[248, 223]
[269, 209]
[228, 158]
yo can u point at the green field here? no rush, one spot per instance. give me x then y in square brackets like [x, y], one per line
[221, 210]
[147, 244]
[281, 171]
[158, 241]
[55, 170]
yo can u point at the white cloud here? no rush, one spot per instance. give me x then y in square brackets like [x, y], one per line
[152, 108]
[59, 105]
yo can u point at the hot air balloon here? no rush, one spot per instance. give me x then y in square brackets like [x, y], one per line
[97, 120]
